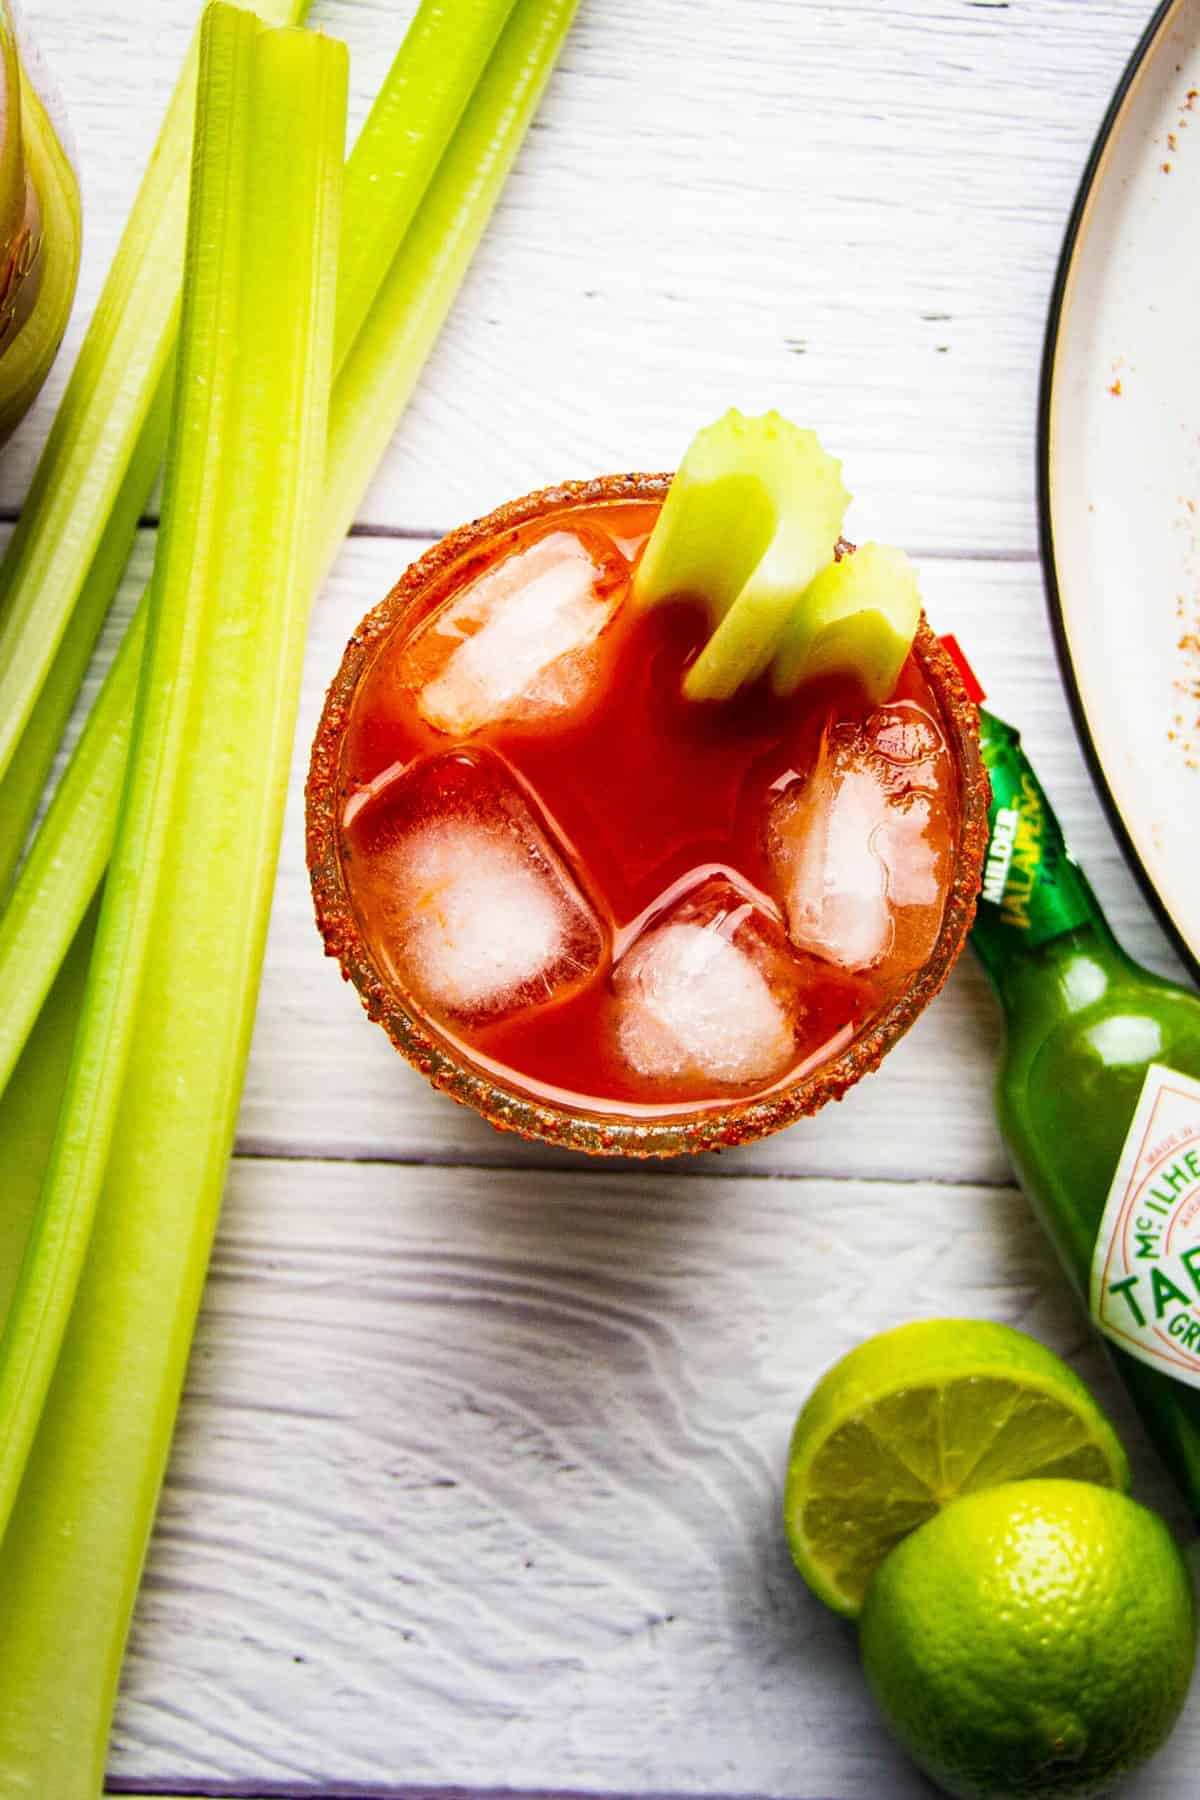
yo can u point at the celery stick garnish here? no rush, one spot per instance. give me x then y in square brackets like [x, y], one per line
[752, 514]
[858, 617]
[96, 428]
[70, 852]
[152, 1094]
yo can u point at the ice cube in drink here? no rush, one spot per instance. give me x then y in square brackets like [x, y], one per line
[519, 640]
[707, 989]
[861, 846]
[463, 893]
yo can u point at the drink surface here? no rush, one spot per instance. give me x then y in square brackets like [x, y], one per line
[609, 892]
[1093, 1041]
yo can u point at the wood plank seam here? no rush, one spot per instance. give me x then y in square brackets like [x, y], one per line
[238, 1790]
[248, 1150]
[377, 528]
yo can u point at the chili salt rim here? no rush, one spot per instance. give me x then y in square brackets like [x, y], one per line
[740, 1121]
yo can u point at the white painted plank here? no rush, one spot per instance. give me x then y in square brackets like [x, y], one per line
[323, 1081]
[479, 1484]
[850, 212]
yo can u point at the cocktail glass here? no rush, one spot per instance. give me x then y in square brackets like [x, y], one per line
[435, 1046]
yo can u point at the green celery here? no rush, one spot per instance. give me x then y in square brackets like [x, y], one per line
[22, 784]
[419, 289]
[69, 855]
[155, 1079]
[749, 519]
[858, 617]
[30, 1102]
[386, 354]
[402, 142]
[100, 418]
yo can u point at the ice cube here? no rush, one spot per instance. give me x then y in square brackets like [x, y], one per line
[465, 896]
[708, 989]
[519, 640]
[861, 849]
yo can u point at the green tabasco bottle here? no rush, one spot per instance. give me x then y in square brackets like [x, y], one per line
[1099, 1103]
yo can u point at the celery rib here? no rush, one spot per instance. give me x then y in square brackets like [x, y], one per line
[751, 516]
[96, 429]
[30, 1102]
[385, 362]
[166, 1023]
[432, 78]
[69, 854]
[155, 1077]
[22, 784]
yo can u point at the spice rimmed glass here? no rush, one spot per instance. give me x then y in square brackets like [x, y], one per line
[478, 1081]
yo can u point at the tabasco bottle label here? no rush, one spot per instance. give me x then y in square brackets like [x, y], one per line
[1031, 887]
[1146, 1265]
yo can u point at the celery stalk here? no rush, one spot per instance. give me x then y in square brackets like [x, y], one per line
[22, 784]
[96, 429]
[30, 1102]
[155, 1079]
[387, 351]
[402, 141]
[68, 856]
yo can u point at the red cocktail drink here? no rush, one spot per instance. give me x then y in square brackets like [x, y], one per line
[603, 913]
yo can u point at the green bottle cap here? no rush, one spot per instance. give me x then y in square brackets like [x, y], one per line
[1030, 883]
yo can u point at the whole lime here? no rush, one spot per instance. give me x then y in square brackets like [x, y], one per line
[1033, 1639]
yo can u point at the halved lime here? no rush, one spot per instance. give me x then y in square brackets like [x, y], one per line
[915, 1417]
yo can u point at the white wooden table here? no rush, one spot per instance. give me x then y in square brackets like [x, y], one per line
[477, 1479]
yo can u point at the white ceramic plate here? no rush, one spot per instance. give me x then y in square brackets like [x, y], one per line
[1119, 464]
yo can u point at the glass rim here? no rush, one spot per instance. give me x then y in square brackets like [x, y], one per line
[687, 1130]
